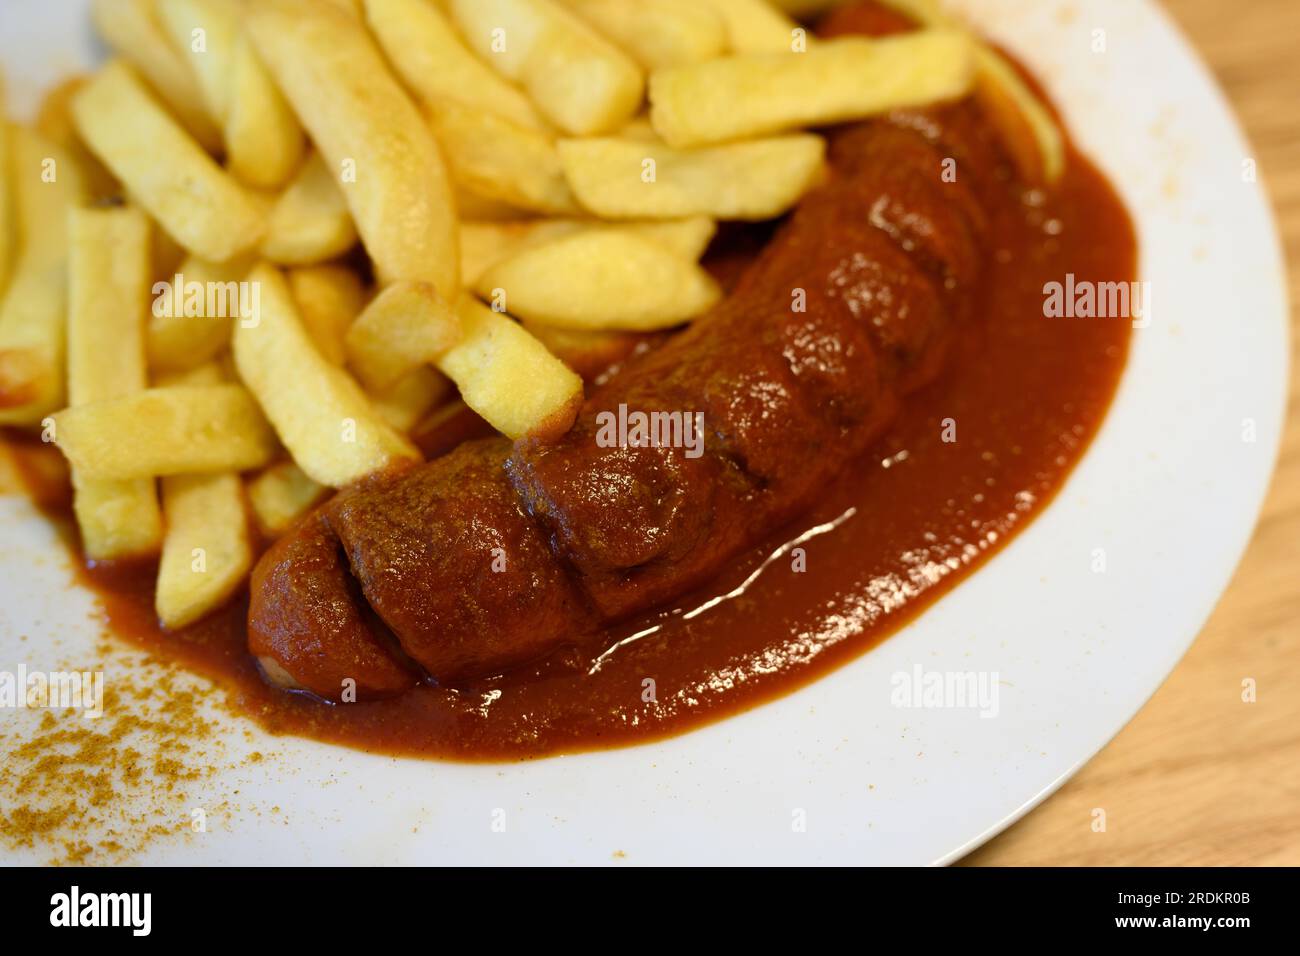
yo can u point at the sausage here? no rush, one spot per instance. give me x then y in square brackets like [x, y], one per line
[314, 631]
[496, 554]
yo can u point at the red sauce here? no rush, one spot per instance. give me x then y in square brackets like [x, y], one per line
[915, 518]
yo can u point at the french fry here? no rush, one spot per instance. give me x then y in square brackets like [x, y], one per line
[369, 132]
[281, 495]
[407, 325]
[264, 143]
[437, 67]
[588, 353]
[204, 33]
[166, 431]
[322, 416]
[131, 28]
[263, 139]
[580, 81]
[329, 298]
[483, 209]
[687, 238]
[405, 403]
[206, 554]
[806, 8]
[211, 372]
[168, 254]
[353, 8]
[310, 222]
[47, 185]
[834, 82]
[1030, 132]
[658, 33]
[508, 377]
[108, 285]
[755, 26]
[32, 339]
[639, 128]
[165, 171]
[193, 312]
[484, 244]
[8, 230]
[601, 280]
[54, 122]
[497, 159]
[754, 180]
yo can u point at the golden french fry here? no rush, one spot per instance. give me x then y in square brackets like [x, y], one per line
[353, 8]
[310, 222]
[484, 244]
[8, 229]
[406, 402]
[322, 416]
[166, 431]
[32, 339]
[754, 180]
[687, 238]
[329, 298]
[755, 26]
[580, 81]
[587, 353]
[497, 159]
[1029, 130]
[834, 82]
[1031, 133]
[806, 8]
[166, 172]
[657, 33]
[47, 185]
[131, 28]
[370, 133]
[264, 142]
[108, 299]
[193, 312]
[639, 128]
[203, 32]
[483, 209]
[281, 495]
[211, 372]
[508, 377]
[437, 67]
[407, 325]
[206, 553]
[607, 280]
[168, 254]
[54, 122]
[108, 287]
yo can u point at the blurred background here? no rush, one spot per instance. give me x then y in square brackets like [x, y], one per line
[1199, 777]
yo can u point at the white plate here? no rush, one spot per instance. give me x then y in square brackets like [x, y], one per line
[1170, 489]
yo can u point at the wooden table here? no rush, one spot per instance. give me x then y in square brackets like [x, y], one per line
[1199, 777]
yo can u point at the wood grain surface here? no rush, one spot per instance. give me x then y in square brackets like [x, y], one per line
[1199, 777]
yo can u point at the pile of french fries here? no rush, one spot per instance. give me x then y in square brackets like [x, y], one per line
[246, 258]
